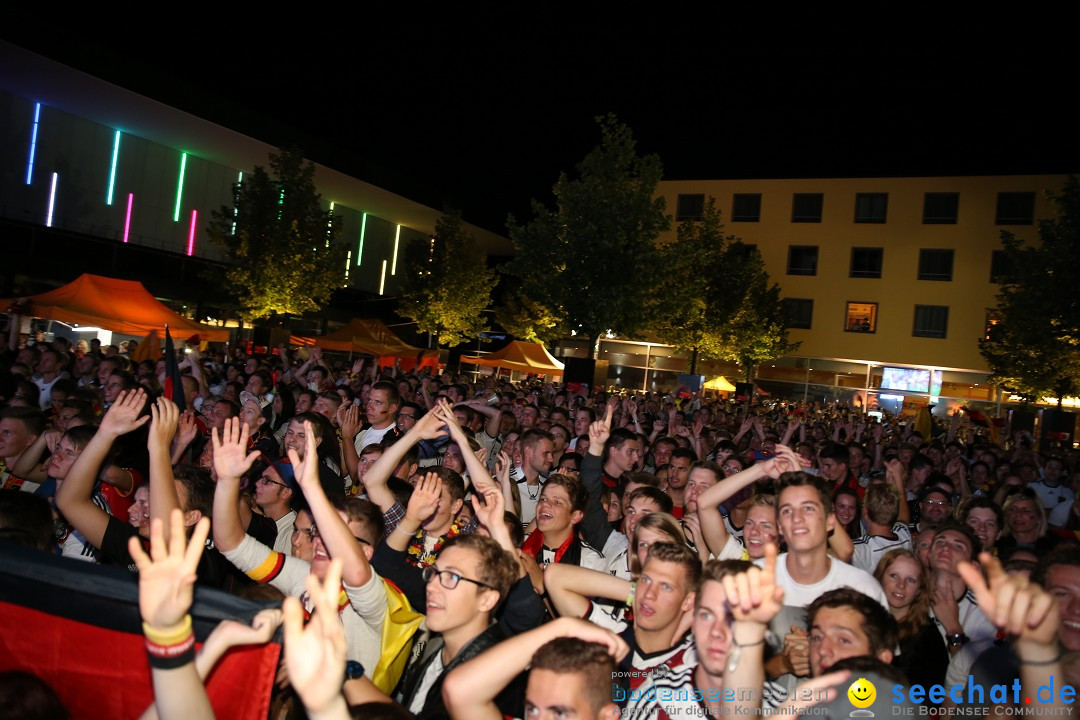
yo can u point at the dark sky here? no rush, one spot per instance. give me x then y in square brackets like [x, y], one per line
[482, 108]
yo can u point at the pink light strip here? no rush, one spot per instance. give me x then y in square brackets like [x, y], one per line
[191, 233]
[127, 218]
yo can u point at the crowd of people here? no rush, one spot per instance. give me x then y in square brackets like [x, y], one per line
[441, 545]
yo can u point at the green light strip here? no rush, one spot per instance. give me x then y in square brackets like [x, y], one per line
[112, 170]
[180, 187]
[397, 239]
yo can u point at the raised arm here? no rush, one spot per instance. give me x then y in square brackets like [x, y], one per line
[571, 586]
[422, 503]
[74, 497]
[429, 427]
[166, 584]
[493, 415]
[339, 541]
[595, 526]
[478, 474]
[163, 498]
[469, 691]
[348, 419]
[231, 461]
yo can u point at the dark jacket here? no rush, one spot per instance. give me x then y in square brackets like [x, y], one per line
[511, 701]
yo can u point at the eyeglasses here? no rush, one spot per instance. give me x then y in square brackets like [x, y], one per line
[267, 480]
[449, 579]
[405, 417]
[313, 532]
[731, 469]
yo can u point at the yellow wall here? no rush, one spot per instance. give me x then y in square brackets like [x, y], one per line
[968, 295]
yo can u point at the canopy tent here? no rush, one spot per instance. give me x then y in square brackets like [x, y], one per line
[720, 383]
[523, 356]
[119, 306]
[369, 337]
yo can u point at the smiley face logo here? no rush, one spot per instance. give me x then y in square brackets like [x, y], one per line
[862, 693]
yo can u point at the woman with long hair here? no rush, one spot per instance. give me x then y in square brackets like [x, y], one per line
[923, 656]
[848, 511]
[1026, 524]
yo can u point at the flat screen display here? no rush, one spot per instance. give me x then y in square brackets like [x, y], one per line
[907, 379]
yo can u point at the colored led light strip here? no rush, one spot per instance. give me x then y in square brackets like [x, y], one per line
[236, 210]
[329, 224]
[348, 264]
[397, 239]
[33, 144]
[52, 201]
[191, 233]
[112, 170]
[360, 250]
[382, 278]
[127, 218]
[180, 187]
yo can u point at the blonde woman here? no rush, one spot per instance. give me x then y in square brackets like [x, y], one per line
[923, 656]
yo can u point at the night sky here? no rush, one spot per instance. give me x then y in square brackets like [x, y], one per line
[482, 108]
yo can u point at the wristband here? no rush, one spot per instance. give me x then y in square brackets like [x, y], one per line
[746, 645]
[410, 533]
[171, 637]
[1051, 661]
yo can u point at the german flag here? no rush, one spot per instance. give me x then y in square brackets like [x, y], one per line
[77, 627]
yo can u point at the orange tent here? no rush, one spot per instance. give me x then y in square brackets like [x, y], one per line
[368, 337]
[523, 356]
[120, 306]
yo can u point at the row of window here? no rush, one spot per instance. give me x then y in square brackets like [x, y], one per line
[934, 263]
[931, 321]
[1013, 208]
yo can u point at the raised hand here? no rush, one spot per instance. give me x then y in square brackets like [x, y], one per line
[502, 467]
[348, 419]
[493, 508]
[1012, 602]
[231, 457]
[167, 574]
[123, 416]
[186, 429]
[753, 595]
[430, 426]
[600, 430]
[231, 633]
[315, 654]
[165, 417]
[425, 498]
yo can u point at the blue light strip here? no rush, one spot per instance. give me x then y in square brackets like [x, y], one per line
[112, 170]
[33, 144]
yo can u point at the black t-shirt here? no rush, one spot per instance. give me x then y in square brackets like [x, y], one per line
[213, 569]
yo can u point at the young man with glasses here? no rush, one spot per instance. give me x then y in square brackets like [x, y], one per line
[274, 491]
[465, 586]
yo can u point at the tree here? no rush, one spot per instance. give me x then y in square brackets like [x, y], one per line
[529, 320]
[1033, 346]
[593, 257]
[283, 244]
[715, 299]
[446, 283]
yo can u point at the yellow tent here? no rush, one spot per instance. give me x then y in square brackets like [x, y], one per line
[719, 383]
[522, 356]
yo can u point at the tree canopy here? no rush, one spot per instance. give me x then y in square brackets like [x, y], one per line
[592, 259]
[1033, 346]
[283, 244]
[446, 283]
[715, 299]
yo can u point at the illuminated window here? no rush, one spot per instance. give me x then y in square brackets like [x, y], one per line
[802, 260]
[799, 312]
[806, 207]
[690, 207]
[866, 262]
[940, 208]
[861, 317]
[746, 208]
[931, 321]
[871, 207]
[1015, 208]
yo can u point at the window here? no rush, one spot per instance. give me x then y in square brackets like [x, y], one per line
[866, 262]
[940, 208]
[861, 317]
[746, 208]
[1001, 269]
[931, 321]
[871, 207]
[935, 264]
[1015, 208]
[690, 207]
[802, 260]
[806, 207]
[799, 312]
